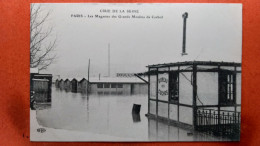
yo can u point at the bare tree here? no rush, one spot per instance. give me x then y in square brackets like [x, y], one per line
[42, 44]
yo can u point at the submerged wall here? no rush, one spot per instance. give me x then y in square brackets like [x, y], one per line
[139, 88]
[173, 111]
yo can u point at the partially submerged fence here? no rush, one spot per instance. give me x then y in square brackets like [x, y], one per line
[222, 123]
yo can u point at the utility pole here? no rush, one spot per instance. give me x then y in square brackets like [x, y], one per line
[108, 59]
[184, 16]
[88, 75]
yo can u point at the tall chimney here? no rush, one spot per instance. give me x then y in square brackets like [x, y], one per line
[184, 16]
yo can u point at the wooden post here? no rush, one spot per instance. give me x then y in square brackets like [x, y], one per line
[157, 92]
[168, 96]
[235, 88]
[218, 95]
[194, 96]
[178, 106]
[149, 91]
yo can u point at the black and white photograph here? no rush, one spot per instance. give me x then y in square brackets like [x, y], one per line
[135, 72]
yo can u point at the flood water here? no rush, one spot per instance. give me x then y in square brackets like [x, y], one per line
[110, 115]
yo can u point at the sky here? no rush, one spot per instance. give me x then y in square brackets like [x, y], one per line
[214, 33]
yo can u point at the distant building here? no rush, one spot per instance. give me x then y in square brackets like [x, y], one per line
[57, 83]
[104, 85]
[74, 85]
[82, 85]
[68, 84]
[118, 86]
[196, 95]
[61, 84]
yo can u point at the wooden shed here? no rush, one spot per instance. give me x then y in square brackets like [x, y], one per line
[61, 84]
[74, 85]
[203, 96]
[41, 90]
[82, 85]
[41, 85]
[67, 84]
[57, 83]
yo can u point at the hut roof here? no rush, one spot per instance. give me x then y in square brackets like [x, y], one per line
[195, 63]
[79, 78]
[68, 79]
[44, 80]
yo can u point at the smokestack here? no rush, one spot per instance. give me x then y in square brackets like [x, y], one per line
[184, 16]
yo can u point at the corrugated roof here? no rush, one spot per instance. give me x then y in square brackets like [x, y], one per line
[195, 63]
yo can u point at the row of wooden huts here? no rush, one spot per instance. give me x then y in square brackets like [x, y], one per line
[106, 85]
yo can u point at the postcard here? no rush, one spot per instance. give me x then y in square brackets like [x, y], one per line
[135, 72]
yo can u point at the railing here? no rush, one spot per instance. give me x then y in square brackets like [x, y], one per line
[222, 123]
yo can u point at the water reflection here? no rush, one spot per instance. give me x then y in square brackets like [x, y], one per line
[109, 115]
[159, 131]
[100, 114]
[42, 106]
[136, 117]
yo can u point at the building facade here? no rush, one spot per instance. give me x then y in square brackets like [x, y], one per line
[118, 85]
[183, 93]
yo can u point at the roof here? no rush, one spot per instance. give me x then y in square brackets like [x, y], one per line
[34, 70]
[70, 79]
[116, 80]
[79, 78]
[43, 75]
[44, 80]
[108, 79]
[195, 63]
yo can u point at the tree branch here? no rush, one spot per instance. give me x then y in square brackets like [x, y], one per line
[41, 46]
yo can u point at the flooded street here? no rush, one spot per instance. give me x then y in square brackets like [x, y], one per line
[109, 115]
